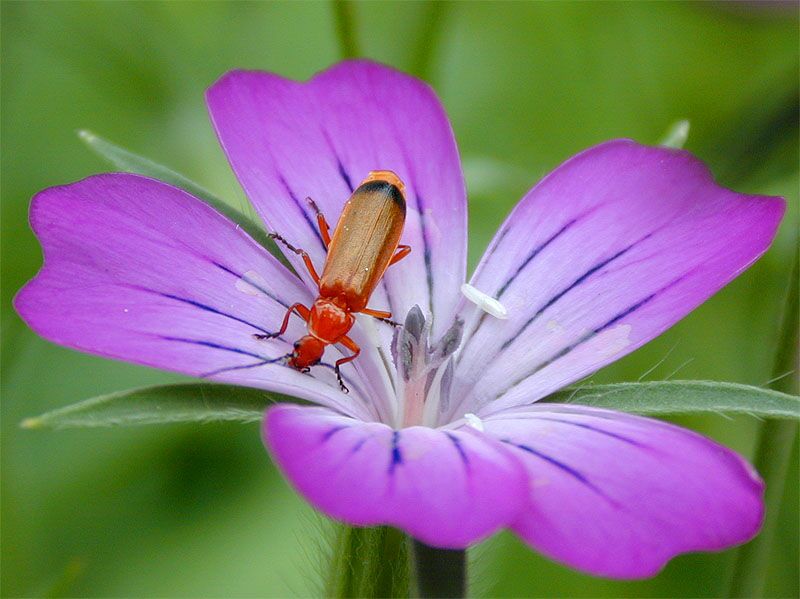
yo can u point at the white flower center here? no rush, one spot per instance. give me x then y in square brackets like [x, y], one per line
[426, 371]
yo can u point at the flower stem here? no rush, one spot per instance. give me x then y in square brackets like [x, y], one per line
[345, 28]
[428, 38]
[773, 451]
[369, 562]
[439, 572]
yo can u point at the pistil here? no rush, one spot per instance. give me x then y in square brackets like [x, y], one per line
[425, 370]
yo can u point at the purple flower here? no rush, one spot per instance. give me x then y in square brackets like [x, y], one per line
[442, 434]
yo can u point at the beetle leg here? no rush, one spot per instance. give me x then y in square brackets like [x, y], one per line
[376, 313]
[353, 347]
[306, 258]
[324, 229]
[402, 252]
[381, 315]
[302, 311]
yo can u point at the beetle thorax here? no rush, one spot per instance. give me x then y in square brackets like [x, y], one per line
[329, 321]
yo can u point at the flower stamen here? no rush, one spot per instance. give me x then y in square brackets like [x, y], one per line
[426, 371]
[485, 302]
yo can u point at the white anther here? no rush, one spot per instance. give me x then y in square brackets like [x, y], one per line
[485, 302]
[473, 421]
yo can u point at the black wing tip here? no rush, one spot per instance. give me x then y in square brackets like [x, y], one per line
[384, 188]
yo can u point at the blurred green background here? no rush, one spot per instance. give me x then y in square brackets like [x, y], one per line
[200, 510]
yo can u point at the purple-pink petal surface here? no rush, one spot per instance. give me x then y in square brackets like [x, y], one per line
[287, 141]
[137, 270]
[446, 488]
[604, 254]
[607, 493]
[618, 495]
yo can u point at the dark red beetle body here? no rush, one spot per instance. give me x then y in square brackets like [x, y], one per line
[364, 244]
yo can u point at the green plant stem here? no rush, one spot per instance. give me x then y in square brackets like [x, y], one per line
[773, 451]
[428, 38]
[439, 572]
[369, 562]
[345, 28]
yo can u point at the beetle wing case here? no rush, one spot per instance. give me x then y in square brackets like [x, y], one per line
[365, 239]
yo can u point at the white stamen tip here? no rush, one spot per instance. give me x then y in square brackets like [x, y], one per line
[474, 422]
[485, 302]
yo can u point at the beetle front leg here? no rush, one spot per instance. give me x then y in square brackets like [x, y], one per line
[381, 315]
[402, 252]
[302, 311]
[322, 223]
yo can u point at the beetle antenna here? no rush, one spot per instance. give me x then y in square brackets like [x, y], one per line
[279, 237]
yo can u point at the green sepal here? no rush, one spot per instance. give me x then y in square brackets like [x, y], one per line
[684, 397]
[163, 404]
[369, 562]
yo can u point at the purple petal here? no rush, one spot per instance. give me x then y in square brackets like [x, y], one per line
[141, 271]
[618, 495]
[608, 251]
[288, 140]
[445, 488]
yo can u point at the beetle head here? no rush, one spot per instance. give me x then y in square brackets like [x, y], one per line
[307, 352]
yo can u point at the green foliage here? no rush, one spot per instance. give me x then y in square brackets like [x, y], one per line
[659, 398]
[161, 404]
[369, 562]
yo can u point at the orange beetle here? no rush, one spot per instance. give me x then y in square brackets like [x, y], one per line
[364, 244]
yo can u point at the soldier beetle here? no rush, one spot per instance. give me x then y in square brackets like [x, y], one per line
[364, 244]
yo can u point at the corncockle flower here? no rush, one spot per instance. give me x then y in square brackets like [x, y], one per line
[442, 434]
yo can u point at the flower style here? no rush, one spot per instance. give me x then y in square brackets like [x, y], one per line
[443, 434]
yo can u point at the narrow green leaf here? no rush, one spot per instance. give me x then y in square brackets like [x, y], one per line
[133, 163]
[685, 397]
[188, 402]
